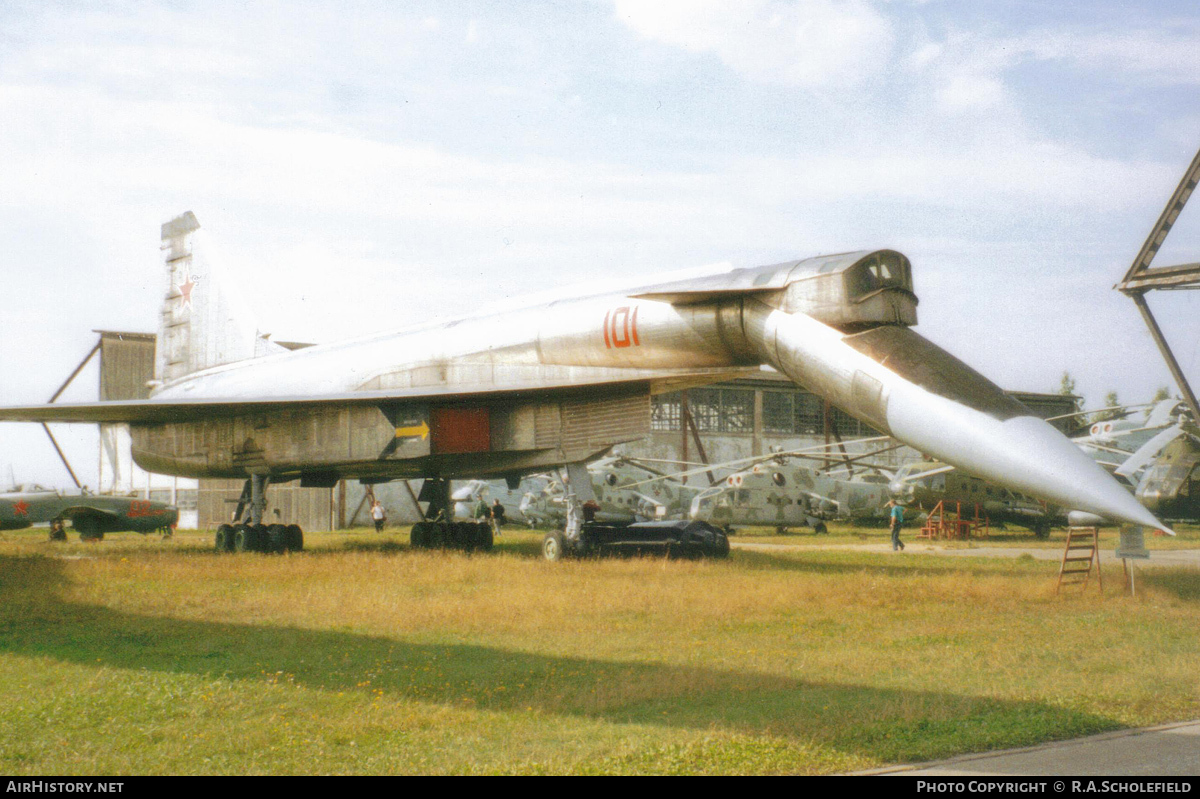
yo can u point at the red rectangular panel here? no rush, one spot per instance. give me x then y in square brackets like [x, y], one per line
[454, 430]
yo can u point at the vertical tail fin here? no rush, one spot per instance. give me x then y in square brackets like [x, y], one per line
[204, 323]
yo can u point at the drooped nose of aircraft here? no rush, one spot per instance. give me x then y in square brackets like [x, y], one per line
[1018, 451]
[930, 400]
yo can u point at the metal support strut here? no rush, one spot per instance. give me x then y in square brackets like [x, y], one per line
[258, 497]
[579, 491]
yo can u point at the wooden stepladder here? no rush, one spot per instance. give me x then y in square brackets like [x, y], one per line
[1082, 549]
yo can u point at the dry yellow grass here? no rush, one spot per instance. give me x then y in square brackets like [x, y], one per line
[361, 655]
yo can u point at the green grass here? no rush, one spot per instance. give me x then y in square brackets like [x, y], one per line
[360, 656]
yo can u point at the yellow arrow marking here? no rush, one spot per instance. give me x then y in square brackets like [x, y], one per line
[421, 430]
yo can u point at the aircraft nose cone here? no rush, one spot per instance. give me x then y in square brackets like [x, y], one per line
[1023, 453]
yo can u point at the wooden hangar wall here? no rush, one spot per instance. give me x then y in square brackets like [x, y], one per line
[126, 367]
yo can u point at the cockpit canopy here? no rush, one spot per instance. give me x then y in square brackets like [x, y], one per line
[852, 291]
[881, 270]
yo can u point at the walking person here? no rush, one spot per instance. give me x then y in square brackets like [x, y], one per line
[378, 516]
[897, 514]
[497, 516]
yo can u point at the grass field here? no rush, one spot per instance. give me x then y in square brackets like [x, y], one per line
[360, 656]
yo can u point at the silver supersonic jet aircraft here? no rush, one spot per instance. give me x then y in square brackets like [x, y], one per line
[561, 382]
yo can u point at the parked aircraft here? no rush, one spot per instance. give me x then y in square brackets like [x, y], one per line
[1112, 441]
[626, 490]
[561, 382]
[92, 515]
[923, 485]
[782, 494]
[1170, 487]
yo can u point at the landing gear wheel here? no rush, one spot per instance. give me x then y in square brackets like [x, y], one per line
[262, 540]
[225, 538]
[295, 538]
[820, 529]
[485, 539]
[720, 547]
[244, 538]
[418, 537]
[277, 539]
[459, 535]
[1042, 530]
[554, 546]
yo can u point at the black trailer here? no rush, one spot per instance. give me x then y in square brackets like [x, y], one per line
[677, 538]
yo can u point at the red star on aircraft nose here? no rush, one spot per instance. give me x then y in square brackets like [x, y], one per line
[185, 291]
[21, 508]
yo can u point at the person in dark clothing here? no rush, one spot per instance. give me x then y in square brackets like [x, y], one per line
[897, 514]
[497, 516]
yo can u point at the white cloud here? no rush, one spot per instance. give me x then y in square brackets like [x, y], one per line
[810, 44]
[1165, 55]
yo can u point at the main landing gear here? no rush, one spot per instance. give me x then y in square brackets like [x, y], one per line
[259, 538]
[437, 533]
[467, 536]
[256, 536]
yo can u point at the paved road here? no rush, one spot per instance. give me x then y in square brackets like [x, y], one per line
[1166, 750]
[1158, 558]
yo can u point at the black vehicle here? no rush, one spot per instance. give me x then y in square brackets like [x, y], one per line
[690, 539]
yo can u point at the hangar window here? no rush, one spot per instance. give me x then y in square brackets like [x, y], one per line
[810, 414]
[664, 412]
[778, 412]
[849, 427]
[722, 410]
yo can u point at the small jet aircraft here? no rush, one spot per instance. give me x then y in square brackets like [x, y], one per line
[92, 515]
[521, 391]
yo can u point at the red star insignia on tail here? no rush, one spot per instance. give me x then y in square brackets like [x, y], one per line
[185, 291]
[21, 508]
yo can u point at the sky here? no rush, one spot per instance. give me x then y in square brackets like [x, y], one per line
[366, 165]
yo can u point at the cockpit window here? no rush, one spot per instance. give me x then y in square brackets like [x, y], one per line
[879, 271]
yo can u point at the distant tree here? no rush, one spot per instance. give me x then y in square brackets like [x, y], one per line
[1111, 401]
[1160, 395]
[1066, 388]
